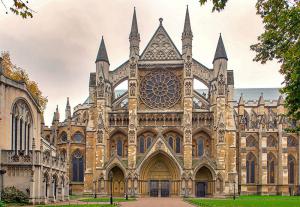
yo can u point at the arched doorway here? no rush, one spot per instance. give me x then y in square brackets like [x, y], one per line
[203, 182]
[160, 177]
[118, 185]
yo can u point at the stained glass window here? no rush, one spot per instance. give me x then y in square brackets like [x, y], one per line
[119, 148]
[171, 142]
[178, 146]
[250, 168]
[63, 137]
[160, 89]
[148, 142]
[200, 150]
[78, 137]
[142, 142]
[291, 169]
[77, 167]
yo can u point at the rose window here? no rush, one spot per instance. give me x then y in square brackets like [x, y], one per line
[160, 89]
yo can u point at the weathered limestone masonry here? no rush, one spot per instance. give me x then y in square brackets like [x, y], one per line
[32, 164]
[164, 137]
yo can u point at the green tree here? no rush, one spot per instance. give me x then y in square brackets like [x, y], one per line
[280, 41]
[19, 7]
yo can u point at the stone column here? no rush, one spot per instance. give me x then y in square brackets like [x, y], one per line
[262, 163]
[282, 162]
[243, 172]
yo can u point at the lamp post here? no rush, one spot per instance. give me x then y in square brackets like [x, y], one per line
[2, 172]
[111, 190]
[95, 183]
[126, 193]
[234, 190]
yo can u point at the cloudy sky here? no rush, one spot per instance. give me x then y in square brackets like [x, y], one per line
[58, 46]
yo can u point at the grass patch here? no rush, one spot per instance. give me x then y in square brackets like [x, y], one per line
[106, 199]
[249, 201]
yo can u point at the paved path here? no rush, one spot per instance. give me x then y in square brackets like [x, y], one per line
[156, 202]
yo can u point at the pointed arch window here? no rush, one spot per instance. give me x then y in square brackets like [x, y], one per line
[119, 148]
[271, 141]
[250, 168]
[178, 145]
[271, 168]
[200, 147]
[149, 141]
[292, 142]
[77, 167]
[142, 143]
[170, 141]
[21, 120]
[291, 169]
[63, 137]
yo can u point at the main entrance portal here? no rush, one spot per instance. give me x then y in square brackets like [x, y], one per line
[159, 188]
[159, 177]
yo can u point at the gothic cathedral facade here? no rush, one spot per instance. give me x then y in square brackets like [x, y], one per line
[161, 137]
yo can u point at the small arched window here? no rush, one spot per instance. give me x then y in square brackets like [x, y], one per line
[170, 141]
[119, 148]
[200, 147]
[63, 137]
[271, 168]
[142, 142]
[291, 169]
[149, 140]
[250, 168]
[77, 166]
[178, 145]
[78, 137]
[292, 141]
[251, 142]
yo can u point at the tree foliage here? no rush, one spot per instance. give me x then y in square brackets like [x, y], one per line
[280, 41]
[13, 195]
[20, 7]
[20, 75]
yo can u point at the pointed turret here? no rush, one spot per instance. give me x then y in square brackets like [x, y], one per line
[187, 30]
[241, 101]
[261, 100]
[187, 36]
[280, 101]
[220, 51]
[102, 54]
[68, 109]
[134, 37]
[57, 115]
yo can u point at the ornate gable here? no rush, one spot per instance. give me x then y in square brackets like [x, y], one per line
[161, 47]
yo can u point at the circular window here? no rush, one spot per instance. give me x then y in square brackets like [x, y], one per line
[78, 137]
[160, 89]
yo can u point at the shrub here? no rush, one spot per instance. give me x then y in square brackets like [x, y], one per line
[2, 204]
[13, 195]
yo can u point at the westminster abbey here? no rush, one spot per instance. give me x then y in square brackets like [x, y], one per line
[163, 137]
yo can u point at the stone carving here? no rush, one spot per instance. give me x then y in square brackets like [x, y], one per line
[159, 145]
[221, 133]
[131, 136]
[161, 48]
[188, 88]
[133, 66]
[100, 87]
[160, 89]
[253, 120]
[132, 89]
[100, 136]
[221, 85]
[188, 136]
[188, 66]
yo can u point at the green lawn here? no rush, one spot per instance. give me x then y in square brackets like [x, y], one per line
[249, 201]
[106, 199]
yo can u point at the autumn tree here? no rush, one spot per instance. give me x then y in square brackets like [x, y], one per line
[280, 41]
[19, 7]
[18, 74]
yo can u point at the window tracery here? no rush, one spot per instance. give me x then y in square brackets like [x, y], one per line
[160, 89]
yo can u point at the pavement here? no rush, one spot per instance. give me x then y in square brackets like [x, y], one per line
[156, 202]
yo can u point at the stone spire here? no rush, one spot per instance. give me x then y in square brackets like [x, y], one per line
[241, 101]
[220, 51]
[134, 37]
[187, 30]
[57, 114]
[134, 27]
[68, 109]
[102, 54]
[261, 100]
[280, 101]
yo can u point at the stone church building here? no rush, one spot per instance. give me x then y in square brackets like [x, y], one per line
[163, 137]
